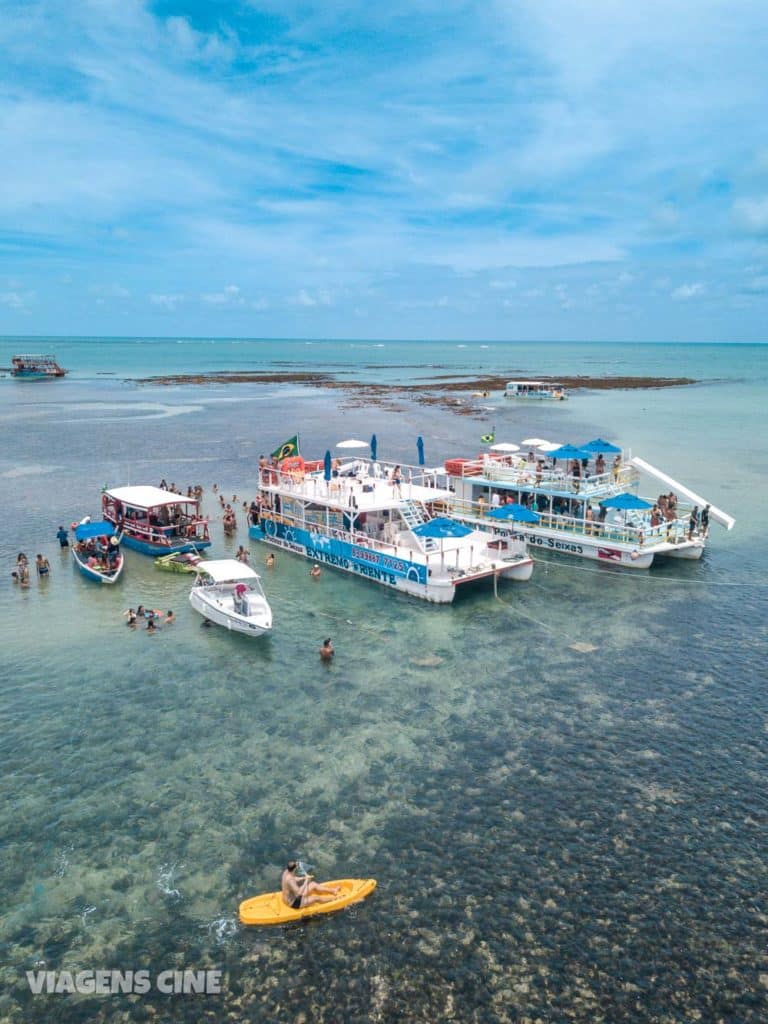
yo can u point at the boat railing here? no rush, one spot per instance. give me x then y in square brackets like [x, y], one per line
[532, 476]
[189, 529]
[638, 532]
[455, 559]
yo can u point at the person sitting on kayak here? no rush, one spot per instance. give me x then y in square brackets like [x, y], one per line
[298, 894]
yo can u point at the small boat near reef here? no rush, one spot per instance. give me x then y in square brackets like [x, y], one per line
[535, 390]
[581, 501]
[155, 521]
[270, 908]
[36, 367]
[183, 561]
[230, 594]
[96, 551]
[381, 522]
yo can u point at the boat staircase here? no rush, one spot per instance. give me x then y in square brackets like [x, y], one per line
[414, 514]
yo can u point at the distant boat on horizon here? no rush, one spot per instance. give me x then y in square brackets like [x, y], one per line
[36, 367]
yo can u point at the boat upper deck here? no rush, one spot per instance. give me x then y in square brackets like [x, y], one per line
[363, 484]
[549, 479]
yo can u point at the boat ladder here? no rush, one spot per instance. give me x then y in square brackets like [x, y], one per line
[415, 515]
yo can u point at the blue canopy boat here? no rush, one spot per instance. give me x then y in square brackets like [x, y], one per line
[96, 551]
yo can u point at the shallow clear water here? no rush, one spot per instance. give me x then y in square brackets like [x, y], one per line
[558, 832]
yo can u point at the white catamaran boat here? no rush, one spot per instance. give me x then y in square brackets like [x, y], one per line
[576, 505]
[535, 390]
[230, 594]
[378, 521]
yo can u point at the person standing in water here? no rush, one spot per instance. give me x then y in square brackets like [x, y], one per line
[326, 650]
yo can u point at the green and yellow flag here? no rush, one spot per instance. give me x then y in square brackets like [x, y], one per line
[287, 448]
[489, 438]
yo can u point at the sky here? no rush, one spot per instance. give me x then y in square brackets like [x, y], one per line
[493, 170]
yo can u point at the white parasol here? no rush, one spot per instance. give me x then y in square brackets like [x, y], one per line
[549, 446]
[352, 443]
[534, 441]
[505, 446]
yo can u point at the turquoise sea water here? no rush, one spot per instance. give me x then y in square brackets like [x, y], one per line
[558, 832]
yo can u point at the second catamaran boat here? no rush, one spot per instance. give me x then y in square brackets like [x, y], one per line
[378, 521]
[581, 506]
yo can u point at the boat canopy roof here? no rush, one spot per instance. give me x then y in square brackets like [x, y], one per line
[148, 496]
[227, 570]
[85, 531]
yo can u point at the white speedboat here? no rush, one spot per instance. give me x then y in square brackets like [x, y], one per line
[230, 594]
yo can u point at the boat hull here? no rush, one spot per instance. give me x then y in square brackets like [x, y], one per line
[96, 575]
[215, 611]
[394, 571]
[150, 548]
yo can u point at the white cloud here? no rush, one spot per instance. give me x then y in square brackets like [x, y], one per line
[317, 298]
[111, 291]
[169, 302]
[756, 285]
[688, 291]
[752, 215]
[17, 300]
[229, 296]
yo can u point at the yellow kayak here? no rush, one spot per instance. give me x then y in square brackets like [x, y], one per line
[271, 908]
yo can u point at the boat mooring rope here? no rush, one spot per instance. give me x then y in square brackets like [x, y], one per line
[644, 574]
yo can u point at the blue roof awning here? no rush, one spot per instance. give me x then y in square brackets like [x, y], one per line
[85, 531]
[442, 527]
[626, 501]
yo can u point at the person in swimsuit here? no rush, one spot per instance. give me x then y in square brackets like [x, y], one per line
[43, 565]
[300, 893]
[62, 537]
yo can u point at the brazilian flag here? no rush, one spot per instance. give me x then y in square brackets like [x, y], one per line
[287, 448]
[489, 438]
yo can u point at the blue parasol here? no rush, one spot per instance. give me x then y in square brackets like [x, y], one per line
[327, 466]
[420, 449]
[568, 451]
[519, 513]
[373, 447]
[442, 527]
[626, 501]
[599, 445]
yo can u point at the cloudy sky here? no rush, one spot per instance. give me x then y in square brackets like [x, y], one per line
[500, 169]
